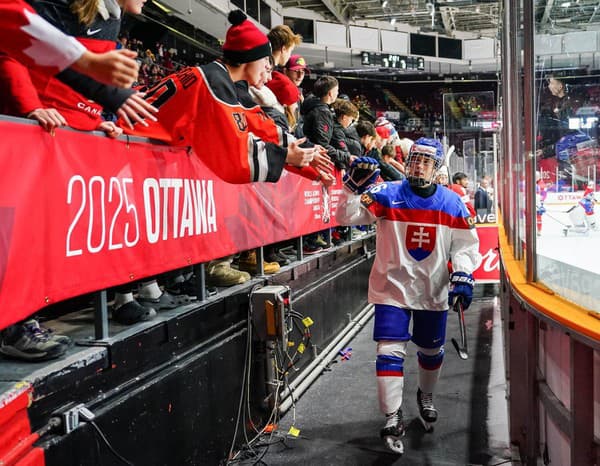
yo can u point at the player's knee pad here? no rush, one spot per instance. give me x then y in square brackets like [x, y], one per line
[430, 358]
[390, 358]
[391, 323]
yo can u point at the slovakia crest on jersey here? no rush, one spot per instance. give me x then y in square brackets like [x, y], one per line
[420, 241]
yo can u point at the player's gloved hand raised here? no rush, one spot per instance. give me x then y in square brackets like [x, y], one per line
[362, 173]
[461, 286]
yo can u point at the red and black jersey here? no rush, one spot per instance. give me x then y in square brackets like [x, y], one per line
[199, 107]
[26, 37]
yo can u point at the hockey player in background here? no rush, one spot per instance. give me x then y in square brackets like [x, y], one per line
[540, 197]
[420, 225]
[581, 214]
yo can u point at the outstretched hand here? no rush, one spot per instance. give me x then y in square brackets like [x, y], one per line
[117, 67]
[136, 110]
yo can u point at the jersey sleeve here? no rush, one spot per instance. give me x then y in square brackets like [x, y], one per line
[20, 96]
[352, 210]
[27, 37]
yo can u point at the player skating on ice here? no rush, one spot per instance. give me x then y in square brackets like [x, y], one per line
[582, 215]
[420, 225]
[540, 196]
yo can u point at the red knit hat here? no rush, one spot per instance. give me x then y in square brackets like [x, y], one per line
[244, 42]
[284, 89]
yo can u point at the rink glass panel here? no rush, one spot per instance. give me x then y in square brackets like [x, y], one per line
[471, 125]
[567, 109]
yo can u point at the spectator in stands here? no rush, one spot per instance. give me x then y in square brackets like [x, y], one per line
[198, 103]
[390, 168]
[370, 142]
[345, 114]
[460, 181]
[53, 103]
[296, 69]
[283, 41]
[20, 38]
[442, 176]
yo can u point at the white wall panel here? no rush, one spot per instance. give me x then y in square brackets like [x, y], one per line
[364, 38]
[394, 42]
[330, 34]
[585, 41]
[479, 49]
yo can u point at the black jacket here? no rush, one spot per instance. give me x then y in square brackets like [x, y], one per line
[318, 128]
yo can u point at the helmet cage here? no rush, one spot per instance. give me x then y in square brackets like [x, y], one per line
[423, 151]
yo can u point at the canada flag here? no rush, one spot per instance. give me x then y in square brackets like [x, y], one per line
[420, 241]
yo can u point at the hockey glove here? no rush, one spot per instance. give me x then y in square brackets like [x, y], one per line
[461, 286]
[362, 173]
[540, 209]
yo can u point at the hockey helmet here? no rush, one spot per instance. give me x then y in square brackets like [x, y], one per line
[424, 148]
[570, 144]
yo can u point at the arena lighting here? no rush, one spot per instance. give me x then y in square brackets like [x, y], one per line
[384, 3]
[393, 21]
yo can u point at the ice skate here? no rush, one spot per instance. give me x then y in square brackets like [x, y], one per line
[393, 432]
[427, 412]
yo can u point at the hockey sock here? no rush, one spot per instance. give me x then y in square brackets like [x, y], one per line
[430, 365]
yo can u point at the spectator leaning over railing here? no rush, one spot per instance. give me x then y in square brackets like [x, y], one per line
[47, 94]
[199, 107]
[26, 37]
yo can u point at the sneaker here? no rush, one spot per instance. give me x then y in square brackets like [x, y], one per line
[393, 431]
[222, 274]
[29, 342]
[311, 248]
[166, 301]
[320, 241]
[276, 256]
[132, 313]
[427, 411]
[290, 252]
[62, 339]
[248, 263]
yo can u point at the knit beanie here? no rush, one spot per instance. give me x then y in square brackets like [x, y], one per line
[284, 89]
[244, 42]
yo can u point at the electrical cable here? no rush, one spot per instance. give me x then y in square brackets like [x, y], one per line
[108, 444]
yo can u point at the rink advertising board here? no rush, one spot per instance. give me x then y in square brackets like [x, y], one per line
[80, 213]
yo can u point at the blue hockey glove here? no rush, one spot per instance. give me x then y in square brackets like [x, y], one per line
[362, 173]
[540, 209]
[461, 286]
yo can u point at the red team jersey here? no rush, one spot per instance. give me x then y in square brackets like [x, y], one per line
[26, 37]
[199, 107]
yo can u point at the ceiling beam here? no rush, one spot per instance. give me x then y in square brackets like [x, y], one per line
[335, 11]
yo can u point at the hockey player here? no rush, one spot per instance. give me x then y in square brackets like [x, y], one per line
[419, 226]
[582, 214]
[540, 196]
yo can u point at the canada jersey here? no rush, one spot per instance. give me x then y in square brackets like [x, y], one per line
[26, 37]
[415, 239]
[199, 107]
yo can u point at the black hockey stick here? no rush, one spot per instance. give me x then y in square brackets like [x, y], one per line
[462, 350]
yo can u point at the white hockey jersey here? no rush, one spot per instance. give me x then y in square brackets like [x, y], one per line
[415, 239]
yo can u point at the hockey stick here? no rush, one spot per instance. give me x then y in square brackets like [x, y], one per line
[566, 225]
[462, 350]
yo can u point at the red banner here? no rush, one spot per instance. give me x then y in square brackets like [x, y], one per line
[80, 213]
[489, 270]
